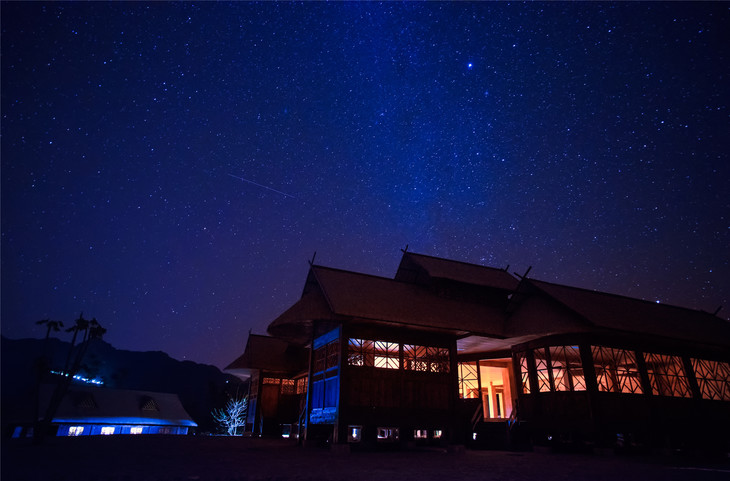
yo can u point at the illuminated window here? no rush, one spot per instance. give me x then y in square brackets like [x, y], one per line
[616, 370]
[426, 359]
[360, 352]
[320, 358]
[272, 380]
[333, 354]
[386, 355]
[468, 380]
[287, 386]
[415, 358]
[301, 385]
[75, 430]
[387, 434]
[136, 430]
[354, 434]
[524, 372]
[713, 378]
[567, 368]
[666, 375]
[420, 434]
[439, 359]
[107, 430]
[437, 433]
[541, 367]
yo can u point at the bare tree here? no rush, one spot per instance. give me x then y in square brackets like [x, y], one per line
[233, 416]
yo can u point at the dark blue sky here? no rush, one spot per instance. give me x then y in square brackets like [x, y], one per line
[170, 168]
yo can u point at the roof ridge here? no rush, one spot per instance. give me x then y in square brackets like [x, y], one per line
[622, 296]
[459, 262]
[364, 274]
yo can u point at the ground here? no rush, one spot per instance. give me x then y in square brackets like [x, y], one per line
[205, 458]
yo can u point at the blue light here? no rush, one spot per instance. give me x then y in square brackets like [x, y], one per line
[77, 377]
[470, 65]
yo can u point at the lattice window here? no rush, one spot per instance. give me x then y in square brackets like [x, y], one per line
[524, 372]
[333, 354]
[360, 352]
[320, 358]
[287, 386]
[713, 378]
[386, 355]
[439, 359]
[425, 358]
[542, 368]
[149, 404]
[616, 370]
[468, 380]
[301, 385]
[567, 368]
[415, 358]
[272, 380]
[666, 375]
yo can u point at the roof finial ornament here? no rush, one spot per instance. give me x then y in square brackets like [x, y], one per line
[524, 276]
[314, 256]
[405, 250]
[717, 310]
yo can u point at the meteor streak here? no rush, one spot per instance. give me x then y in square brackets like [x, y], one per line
[262, 186]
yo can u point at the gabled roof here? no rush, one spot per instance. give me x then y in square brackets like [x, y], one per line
[101, 405]
[270, 353]
[339, 295]
[611, 311]
[464, 272]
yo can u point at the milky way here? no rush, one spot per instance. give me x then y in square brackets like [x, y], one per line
[587, 140]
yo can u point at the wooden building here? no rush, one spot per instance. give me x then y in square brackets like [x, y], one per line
[277, 374]
[450, 352]
[96, 410]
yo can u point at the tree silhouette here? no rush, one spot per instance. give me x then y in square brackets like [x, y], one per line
[89, 330]
[42, 363]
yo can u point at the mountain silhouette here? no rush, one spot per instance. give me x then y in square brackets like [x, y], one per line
[200, 387]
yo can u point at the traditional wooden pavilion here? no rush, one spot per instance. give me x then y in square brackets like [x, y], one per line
[453, 352]
[277, 375]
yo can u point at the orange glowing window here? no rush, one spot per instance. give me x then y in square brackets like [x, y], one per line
[360, 352]
[616, 370]
[425, 358]
[301, 385]
[524, 372]
[666, 375]
[567, 368]
[542, 369]
[386, 355]
[287, 386]
[468, 380]
[713, 378]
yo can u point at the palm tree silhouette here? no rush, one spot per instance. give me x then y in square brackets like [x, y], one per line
[90, 330]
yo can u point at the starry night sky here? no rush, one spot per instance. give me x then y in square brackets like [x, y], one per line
[170, 168]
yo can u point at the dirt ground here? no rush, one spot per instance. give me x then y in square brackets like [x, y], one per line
[172, 458]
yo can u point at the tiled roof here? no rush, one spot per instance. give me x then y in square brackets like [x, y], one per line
[627, 314]
[89, 404]
[350, 295]
[270, 353]
[463, 272]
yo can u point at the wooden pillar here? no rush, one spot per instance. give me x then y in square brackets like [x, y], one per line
[308, 408]
[456, 429]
